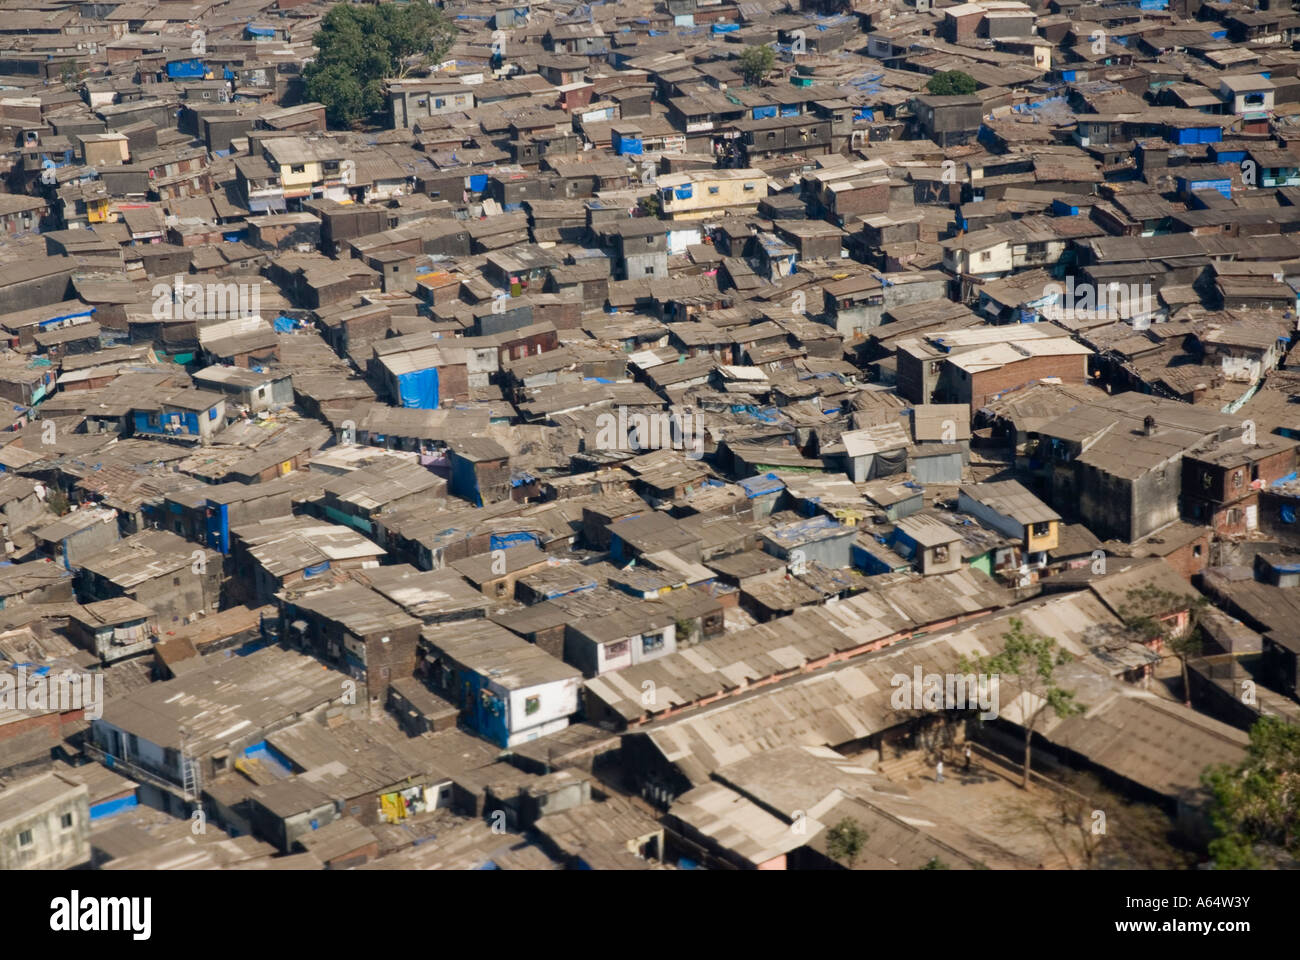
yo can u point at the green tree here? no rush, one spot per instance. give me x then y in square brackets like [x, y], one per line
[1032, 661]
[1151, 613]
[651, 204]
[57, 501]
[1255, 807]
[845, 840]
[362, 47]
[934, 863]
[950, 83]
[756, 63]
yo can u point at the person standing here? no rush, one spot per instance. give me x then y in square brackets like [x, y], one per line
[966, 753]
[939, 771]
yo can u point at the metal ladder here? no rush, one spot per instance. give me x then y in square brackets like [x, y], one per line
[190, 779]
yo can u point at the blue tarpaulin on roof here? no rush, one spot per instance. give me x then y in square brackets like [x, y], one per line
[803, 529]
[186, 68]
[504, 541]
[1223, 186]
[109, 807]
[284, 324]
[867, 83]
[767, 416]
[757, 486]
[478, 182]
[726, 27]
[270, 756]
[44, 324]
[419, 389]
[260, 31]
[1048, 103]
[762, 113]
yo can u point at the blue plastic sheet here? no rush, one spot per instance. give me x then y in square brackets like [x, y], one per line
[419, 389]
[758, 486]
[109, 807]
[504, 541]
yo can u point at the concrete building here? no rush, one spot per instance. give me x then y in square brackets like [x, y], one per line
[44, 824]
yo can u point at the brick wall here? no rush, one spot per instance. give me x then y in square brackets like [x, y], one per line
[1185, 559]
[985, 385]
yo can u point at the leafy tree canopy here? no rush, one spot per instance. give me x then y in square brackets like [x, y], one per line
[1150, 613]
[756, 63]
[951, 83]
[845, 840]
[1255, 807]
[362, 46]
[1030, 660]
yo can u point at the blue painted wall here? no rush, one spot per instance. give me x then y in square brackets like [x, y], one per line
[487, 721]
[464, 481]
[218, 526]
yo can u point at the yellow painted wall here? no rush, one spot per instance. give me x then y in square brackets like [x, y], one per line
[1050, 541]
[311, 173]
[731, 193]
